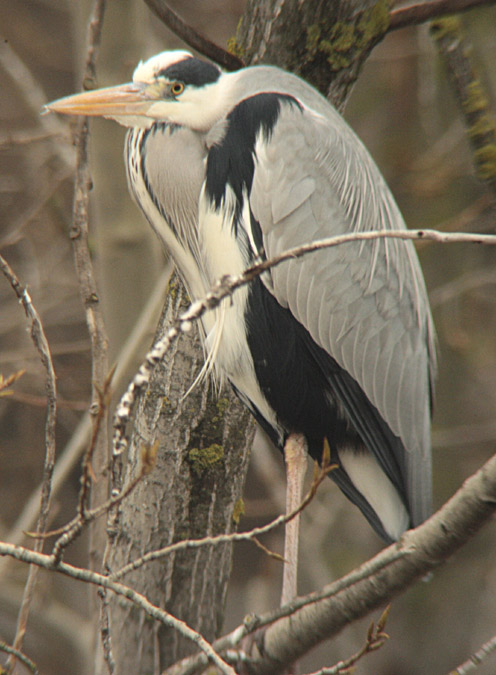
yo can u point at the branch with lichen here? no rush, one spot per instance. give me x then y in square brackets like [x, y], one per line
[227, 59]
[416, 14]
[456, 54]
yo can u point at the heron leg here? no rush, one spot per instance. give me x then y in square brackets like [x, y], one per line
[295, 455]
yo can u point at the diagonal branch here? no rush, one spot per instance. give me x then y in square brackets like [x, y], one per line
[413, 15]
[320, 615]
[477, 658]
[310, 619]
[20, 656]
[376, 638]
[82, 434]
[127, 593]
[192, 37]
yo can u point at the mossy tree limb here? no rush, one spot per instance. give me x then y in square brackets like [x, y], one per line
[324, 42]
[456, 54]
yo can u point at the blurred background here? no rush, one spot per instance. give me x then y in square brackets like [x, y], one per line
[403, 109]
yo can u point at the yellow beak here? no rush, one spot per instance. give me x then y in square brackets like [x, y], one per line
[126, 99]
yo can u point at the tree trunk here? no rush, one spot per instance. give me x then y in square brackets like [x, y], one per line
[325, 43]
[197, 483]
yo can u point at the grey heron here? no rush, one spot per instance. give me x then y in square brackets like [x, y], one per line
[335, 347]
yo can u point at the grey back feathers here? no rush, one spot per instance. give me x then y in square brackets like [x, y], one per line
[302, 175]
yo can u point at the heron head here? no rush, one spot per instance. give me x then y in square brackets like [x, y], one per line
[172, 86]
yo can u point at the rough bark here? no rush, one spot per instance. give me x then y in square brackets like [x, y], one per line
[324, 42]
[203, 446]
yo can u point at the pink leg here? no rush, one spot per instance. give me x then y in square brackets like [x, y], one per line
[295, 456]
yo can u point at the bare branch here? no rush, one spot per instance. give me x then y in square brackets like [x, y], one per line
[470, 95]
[128, 595]
[104, 397]
[476, 659]
[80, 438]
[192, 38]
[4, 647]
[41, 344]
[5, 382]
[376, 638]
[413, 15]
[86, 280]
[105, 633]
[318, 616]
[72, 529]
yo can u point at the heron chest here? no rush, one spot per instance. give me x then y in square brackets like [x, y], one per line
[204, 250]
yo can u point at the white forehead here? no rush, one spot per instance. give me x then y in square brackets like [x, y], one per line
[147, 70]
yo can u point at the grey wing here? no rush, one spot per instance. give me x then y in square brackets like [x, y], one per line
[363, 302]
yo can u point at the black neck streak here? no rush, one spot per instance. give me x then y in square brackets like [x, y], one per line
[231, 162]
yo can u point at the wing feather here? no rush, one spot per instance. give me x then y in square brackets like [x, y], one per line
[364, 303]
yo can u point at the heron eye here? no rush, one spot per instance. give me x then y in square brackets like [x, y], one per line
[177, 88]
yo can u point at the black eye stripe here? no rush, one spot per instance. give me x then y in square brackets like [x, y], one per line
[191, 71]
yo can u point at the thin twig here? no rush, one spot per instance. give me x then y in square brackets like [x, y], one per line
[127, 593]
[193, 38]
[229, 284]
[413, 15]
[4, 647]
[424, 548]
[477, 658]
[251, 535]
[94, 317]
[70, 531]
[104, 397]
[80, 438]
[6, 382]
[35, 98]
[86, 280]
[416, 553]
[43, 196]
[105, 632]
[376, 638]
[381, 562]
[41, 344]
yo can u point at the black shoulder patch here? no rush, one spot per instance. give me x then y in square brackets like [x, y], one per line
[231, 162]
[192, 71]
